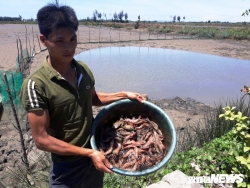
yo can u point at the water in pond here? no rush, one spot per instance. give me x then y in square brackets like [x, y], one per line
[165, 73]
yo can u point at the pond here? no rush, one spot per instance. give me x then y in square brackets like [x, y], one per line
[166, 73]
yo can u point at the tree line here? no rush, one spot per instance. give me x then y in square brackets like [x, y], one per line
[178, 18]
[6, 18]
[116, 17]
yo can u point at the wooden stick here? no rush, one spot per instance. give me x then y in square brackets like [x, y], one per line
[89, 34]
[26, 36]
[39, 42]
[25, 158]
[140, 34]
[13, 83]
[18, 58]
[21, 52]
[110, 34]
[33, 40]
[30, 47]
[99, 34]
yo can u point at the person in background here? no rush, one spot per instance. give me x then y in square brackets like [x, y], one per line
[58, 97]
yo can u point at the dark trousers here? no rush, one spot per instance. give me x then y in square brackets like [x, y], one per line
[77, 173]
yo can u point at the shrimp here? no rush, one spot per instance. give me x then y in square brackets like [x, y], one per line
[149, 142]
[129, 152]
[118, 124]
[117, 150]
[128, 127]
[110, 148]
[128, 164]
[133, 144]
[129, 136]
[132, 120]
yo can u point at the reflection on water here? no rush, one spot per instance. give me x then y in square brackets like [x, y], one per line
[165, 73]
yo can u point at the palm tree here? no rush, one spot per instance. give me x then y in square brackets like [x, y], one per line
[174, 18]
[120, 16]
[94, 17]
[126, 16]
[115, 17]
[99, 16]
[179, 18]
[105, 16]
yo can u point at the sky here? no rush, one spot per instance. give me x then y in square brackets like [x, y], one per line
[149, 10]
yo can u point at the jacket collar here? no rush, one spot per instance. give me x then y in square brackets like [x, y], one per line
[52, 72]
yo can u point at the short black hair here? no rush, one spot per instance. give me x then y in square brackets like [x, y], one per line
[54, 16]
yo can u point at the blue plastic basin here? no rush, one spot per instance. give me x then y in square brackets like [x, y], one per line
[113, 112]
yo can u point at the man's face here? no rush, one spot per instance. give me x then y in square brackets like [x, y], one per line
[61, 44]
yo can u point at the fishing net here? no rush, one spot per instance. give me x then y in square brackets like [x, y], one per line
[14, 81]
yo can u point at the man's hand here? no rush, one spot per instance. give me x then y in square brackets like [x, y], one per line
[100, 162]
[100, 99]
[136, 96]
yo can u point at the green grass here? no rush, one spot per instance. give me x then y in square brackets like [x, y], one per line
[242, 33]
[235, 31]
[216, 30]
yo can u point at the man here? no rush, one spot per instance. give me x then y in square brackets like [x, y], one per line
[58, 98]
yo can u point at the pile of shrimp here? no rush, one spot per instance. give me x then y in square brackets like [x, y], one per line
[132, 144]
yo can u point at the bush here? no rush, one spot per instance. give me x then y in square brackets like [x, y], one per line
[241, 134]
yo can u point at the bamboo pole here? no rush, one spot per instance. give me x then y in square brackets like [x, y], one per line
[25, 158]
[30, 47]
[21, 52]
[99, 34]
[33, 51]
[110, 34]
[89, 34]
[39, 42]
[33, 40]
[13, 83]
[26, 36]
[140, 35]
[18, 58]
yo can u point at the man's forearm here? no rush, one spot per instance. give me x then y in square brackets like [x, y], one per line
[54, 145]
[107, 98]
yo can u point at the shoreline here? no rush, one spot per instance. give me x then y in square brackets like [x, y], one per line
[10, 33]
